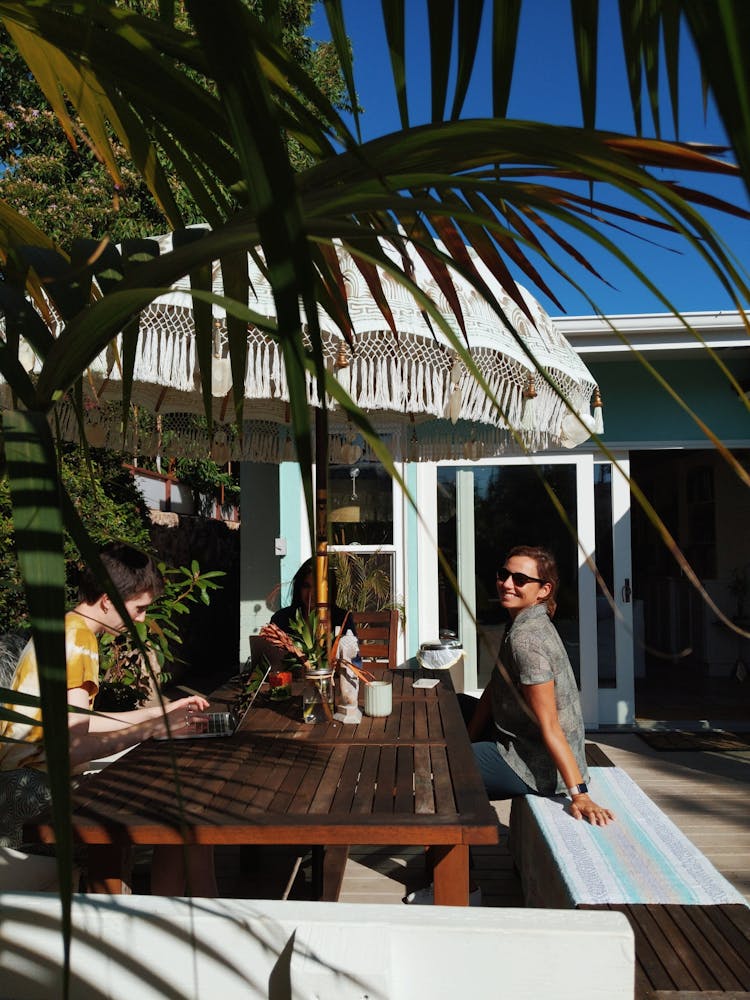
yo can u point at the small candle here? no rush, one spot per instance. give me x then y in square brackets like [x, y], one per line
[378, 698]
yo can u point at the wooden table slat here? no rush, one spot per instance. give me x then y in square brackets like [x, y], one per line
[348, 781]
[364, 797]
[403, 798]
[421, 728]
[385, 792]
[424, 798]
[445, 793]
[310, 778]
[323, 798]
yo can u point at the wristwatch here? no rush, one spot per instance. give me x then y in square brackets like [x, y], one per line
[582, 789]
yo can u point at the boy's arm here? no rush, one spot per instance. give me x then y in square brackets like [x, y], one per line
[93, 736]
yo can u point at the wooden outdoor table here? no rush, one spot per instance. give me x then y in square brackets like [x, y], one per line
[408, 778]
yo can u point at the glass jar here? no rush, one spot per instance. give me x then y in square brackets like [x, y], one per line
[317, 696]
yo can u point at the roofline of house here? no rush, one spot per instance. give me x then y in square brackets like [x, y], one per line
[662, 332]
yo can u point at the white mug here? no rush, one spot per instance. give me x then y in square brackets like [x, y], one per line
[378, 698]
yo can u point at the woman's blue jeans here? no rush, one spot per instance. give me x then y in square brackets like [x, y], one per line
[500, 780]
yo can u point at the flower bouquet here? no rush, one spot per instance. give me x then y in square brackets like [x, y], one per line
[305, 652]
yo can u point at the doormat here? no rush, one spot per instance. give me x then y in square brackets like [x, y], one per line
[679, 739]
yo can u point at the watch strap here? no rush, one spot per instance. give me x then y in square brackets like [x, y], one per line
[581, 789]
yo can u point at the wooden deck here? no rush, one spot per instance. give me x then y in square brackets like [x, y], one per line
[705, 794]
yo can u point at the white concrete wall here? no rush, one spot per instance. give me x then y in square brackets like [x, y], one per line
[148, 948]
[154, 493]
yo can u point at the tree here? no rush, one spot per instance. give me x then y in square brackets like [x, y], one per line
[63, 186]
[218, 107]
[110, 505]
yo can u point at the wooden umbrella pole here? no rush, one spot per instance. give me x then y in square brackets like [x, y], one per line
[322, 597]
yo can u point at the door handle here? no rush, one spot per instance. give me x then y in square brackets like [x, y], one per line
[626, 591]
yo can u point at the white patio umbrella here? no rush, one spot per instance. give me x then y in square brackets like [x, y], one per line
[414, 387]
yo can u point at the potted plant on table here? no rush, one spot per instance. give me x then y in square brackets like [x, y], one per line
[306, 654]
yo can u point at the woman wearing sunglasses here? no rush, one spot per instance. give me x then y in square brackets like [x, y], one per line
[537, 743]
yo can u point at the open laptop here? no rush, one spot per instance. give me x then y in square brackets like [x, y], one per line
[209, 725]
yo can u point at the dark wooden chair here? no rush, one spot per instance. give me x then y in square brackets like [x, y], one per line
[377, 632]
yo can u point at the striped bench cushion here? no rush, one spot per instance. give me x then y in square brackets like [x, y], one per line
[640, 858]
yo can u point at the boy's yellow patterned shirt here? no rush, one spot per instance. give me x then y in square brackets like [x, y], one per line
[82, 658]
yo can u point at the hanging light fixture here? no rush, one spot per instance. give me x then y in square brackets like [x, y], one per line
[473, 450]
[349, 512]
[351, 452]
[413, 448]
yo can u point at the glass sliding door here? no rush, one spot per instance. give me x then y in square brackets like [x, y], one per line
[513, 504]
[615, 606]
[580, 510]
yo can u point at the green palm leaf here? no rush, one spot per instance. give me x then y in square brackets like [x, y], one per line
[35, 492]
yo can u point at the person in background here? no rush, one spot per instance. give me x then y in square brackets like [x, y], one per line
[302, 600]
[23, 764]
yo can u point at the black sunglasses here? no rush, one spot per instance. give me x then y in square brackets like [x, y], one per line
[519, 579]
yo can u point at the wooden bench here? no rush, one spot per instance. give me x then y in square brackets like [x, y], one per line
[691, 926]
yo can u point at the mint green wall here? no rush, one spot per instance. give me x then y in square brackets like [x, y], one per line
[637, 408]
[290, 528]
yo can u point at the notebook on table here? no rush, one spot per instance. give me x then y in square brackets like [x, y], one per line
[208, 725]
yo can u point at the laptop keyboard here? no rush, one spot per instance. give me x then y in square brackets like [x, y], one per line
[220, 723]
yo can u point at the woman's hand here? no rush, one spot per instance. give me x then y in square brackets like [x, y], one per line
[584, 807]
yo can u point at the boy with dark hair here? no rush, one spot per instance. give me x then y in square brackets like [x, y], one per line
[138, 582]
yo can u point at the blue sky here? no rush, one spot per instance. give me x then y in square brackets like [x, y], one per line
[545, 88]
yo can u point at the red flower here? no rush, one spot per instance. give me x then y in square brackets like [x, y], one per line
[279, 678]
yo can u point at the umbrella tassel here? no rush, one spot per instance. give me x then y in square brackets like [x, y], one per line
[528, 409]
[598, 412]
[454, 401]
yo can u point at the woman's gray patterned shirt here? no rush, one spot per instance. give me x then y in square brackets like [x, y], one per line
[532, 652]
